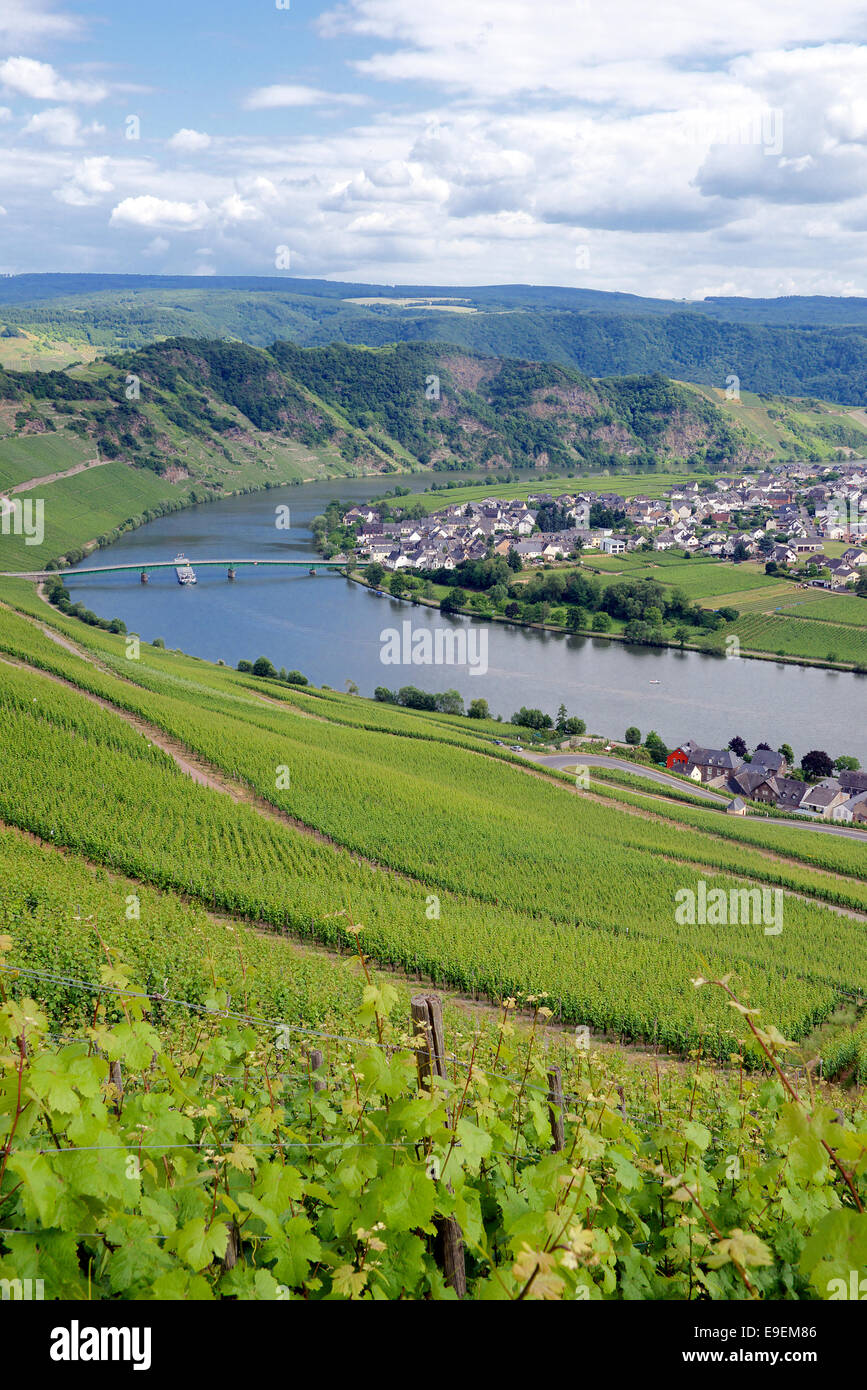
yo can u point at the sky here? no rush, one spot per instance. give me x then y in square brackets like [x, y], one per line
[665, 149]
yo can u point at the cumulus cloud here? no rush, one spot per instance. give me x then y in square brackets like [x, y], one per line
[60, 126]
[148, 211]
[266, 98]
[87, 183]
[41, 82]
[188, 141]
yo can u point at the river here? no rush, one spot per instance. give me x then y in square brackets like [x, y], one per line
[332, 630]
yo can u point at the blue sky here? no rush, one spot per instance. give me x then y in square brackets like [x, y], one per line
[664, 150]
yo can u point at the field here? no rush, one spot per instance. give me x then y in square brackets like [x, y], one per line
[27, 456]
[535, 888]
[803, 637]
[80, 508]
[651, 484]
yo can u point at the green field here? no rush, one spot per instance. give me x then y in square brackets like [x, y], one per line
[814, 640]
[535, 887]
[27, 456]
[650, 484]
[80, 508]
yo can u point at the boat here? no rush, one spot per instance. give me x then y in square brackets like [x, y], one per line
[184, 570]
[655, 682]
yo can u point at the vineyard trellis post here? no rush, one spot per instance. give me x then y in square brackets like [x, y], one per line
[426, 1016]
[115, 1077]
[555, 1108]
[315, 1061]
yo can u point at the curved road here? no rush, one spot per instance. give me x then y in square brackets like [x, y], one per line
[563, 760]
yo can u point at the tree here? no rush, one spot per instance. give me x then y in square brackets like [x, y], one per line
[655, 747]
[763, 747]
[245, 666]
[846, 763]
[374, 573]
[633, 736]
[575, 726]
[453, 601]
[262, 667]
[532, 719]
[560, 722]
[680, 636]
[741, 551]
[601, 622]
[450, 702]
[296, 678]
[351, 688]
[384, 695]
[786, 751]
[816, 764]
[479, 709]
[513, 560]
[397, 584]
[737, 745]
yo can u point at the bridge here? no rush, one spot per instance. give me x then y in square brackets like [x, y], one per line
[144, 566]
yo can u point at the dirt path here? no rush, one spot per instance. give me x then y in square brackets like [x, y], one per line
[55, 477]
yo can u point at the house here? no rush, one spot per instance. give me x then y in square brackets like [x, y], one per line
[790, 793]
[755, 786]
[821, 799]
[679, 758]
[613, 545]
[715, 763]
[769, 760]
[736, 807]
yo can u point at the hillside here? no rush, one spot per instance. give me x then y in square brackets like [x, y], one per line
[124, 439]
[815, 346]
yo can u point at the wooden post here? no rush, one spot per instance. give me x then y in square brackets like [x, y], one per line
[555, 1109]
[116, 1079]
[316, 1060]
[427, 1020]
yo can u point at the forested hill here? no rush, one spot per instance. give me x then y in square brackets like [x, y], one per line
[798, 346]
[164, 405]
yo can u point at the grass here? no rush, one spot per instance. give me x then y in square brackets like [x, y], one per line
[26, 456]
[81, 508]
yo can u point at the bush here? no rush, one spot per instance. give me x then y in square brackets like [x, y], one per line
[633, 736]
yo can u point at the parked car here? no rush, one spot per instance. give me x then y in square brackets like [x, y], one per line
[516, 748]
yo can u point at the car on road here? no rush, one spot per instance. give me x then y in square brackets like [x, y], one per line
[516, 748]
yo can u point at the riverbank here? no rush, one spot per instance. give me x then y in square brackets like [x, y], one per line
[849, 668]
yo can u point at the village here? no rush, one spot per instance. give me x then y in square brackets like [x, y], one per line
[765, 777]
[783, 517]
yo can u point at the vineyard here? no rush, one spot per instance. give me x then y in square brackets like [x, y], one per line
[462, 869]
[234, 1157]
[208, 1093]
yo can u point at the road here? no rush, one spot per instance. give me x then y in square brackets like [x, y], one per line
[563, 760]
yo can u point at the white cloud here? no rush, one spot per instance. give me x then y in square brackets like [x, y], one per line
[266, 98]
[148, 211]
[60, 126]
[235, 209]
[189, 141]
[87, 182]
[41, 82]
[31, 19]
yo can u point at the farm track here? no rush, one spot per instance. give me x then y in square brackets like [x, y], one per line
[55, 477]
